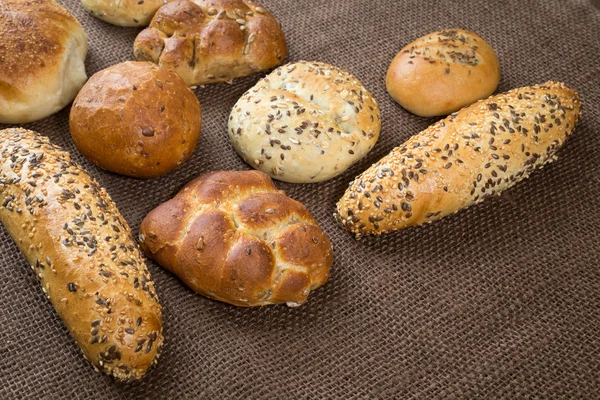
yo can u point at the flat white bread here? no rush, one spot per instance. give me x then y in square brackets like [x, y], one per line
[463, 159]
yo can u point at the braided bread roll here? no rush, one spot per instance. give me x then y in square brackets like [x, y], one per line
[82, 251]
[211, 41]
[461, 160]
[232, 236]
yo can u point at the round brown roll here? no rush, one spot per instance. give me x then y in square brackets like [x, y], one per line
[232, 236]
[42, 54]
[136, 119]
[442, 72]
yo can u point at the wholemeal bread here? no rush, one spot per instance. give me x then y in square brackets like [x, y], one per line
[232, 236]
[211, 41]
[82, 251]
[462, 160]
[442, 72]
[136, 119]
[42, 54]
[123, 12]
[305, 122]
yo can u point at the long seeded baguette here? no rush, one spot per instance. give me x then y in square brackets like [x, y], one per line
[83, 253]
[461, 160]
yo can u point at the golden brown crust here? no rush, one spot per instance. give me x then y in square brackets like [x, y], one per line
[305, 122]
[82, 251]
[462, 160]
[42, 50]
[136, 119]
[232, 236]
[123, 12]
[211, 41]
[442, 72]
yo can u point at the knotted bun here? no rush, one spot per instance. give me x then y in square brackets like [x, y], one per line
[232, 236]
[211, 41]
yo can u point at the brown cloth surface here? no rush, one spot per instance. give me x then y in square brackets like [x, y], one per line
[499, 301]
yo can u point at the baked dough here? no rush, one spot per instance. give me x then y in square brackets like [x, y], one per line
[305, 122]
[232, 236]
[41, 67]
[473, 154]
[123, 12]
[136, 119]
[442, 72]
[83, 253]
[211, 41]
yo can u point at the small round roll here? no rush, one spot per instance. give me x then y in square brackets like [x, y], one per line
[136, 119]
[43, 49]
[82, 252]
[123, 12]
[305, 122]
[443, 72]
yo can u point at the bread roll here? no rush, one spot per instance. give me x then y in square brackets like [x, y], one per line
[82, 252]
[442, 72]
[211, 41]
[43, 49]
[136, 119]
[305, 122]
[123, 12]
[232, 236]
[473, 154]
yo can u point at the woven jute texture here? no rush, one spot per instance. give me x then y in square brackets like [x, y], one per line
[499, 301]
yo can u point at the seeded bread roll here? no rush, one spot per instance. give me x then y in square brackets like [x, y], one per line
[211, 41]
[442, 72]
[136, 119]
[232, 236]
[82, 252]
[305, 122]
[42, 54]
[123, 12]
[462, 160]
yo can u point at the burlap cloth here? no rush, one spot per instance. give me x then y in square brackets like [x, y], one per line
[499, 301]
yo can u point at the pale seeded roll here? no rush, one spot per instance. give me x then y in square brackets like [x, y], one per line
[123, 12]
[471, 155]
[232, 236]
[136, 119]
[42, 54]
[211, 41]
[305, 122]
[82, 251]
[442, 72]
